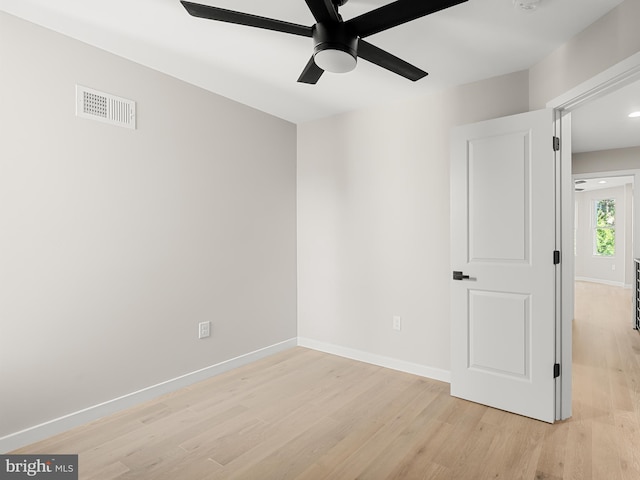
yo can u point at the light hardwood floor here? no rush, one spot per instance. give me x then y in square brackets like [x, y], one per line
[307, 415]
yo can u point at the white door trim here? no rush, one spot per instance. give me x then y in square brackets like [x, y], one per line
[615, 77]
[621, 74]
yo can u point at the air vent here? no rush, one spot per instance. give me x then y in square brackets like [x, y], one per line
[105, 107]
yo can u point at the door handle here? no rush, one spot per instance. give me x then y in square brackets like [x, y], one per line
[459, 276]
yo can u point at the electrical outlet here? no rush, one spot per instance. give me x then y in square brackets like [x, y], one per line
[204, 329]
[397, 323]
[613, 267]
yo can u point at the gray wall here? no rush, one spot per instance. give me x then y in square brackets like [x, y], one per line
[605, 161]
[115, 243]
[611, 269]
[373, 221]
[623, 160]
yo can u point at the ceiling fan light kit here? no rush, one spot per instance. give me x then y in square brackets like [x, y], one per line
[334, 60]
[338, 44]
[335, 49]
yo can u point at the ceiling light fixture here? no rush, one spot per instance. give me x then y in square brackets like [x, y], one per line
[336, 49]
[527, 5]
[602, 181]
[335, 61]
[634, 114]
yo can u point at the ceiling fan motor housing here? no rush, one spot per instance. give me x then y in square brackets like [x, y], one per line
[335, 47]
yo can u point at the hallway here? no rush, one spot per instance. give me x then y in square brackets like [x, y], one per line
[606, 390]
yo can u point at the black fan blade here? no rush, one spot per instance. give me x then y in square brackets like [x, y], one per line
[229, 16]
[392, 63]
[395, 14]
[324, 11]
[311, 73]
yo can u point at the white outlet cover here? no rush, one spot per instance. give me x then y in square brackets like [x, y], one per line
[204, 329]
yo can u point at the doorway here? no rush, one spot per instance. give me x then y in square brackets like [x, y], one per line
[572, 104]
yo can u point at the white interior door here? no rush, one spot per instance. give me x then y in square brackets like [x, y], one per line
[503, 238]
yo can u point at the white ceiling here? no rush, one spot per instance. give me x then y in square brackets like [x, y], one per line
[599, 183]
[604, 123]
[472, 41]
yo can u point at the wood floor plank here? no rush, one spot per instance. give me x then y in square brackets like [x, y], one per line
[578, 460]
[422, 456]
[362, 428]
[628, 429]
[108, 472]
[307, 415]
[172, 464]
[398, 448]
[551, 463]
[515, 449]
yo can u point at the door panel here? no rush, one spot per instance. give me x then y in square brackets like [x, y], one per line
[490, 201]
[503, 237]
[499, 315]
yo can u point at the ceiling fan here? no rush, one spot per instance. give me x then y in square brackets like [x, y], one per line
[338, 44]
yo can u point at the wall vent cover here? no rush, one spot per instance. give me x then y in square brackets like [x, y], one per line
[105, 107]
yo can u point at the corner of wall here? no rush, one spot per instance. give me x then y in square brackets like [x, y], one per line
[36, 433]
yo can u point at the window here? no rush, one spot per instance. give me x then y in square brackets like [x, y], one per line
[604, 234]
[575, 230]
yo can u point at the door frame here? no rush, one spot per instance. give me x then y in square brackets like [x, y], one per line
[611, 79]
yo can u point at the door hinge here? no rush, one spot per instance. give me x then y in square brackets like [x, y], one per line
[556, 144]
[556, 370]
[556, 257]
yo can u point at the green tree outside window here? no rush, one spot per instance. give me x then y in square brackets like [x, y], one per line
[605, 228]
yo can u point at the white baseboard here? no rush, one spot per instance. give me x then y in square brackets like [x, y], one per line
[382, 361]
[604, 282]
[58, 425]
